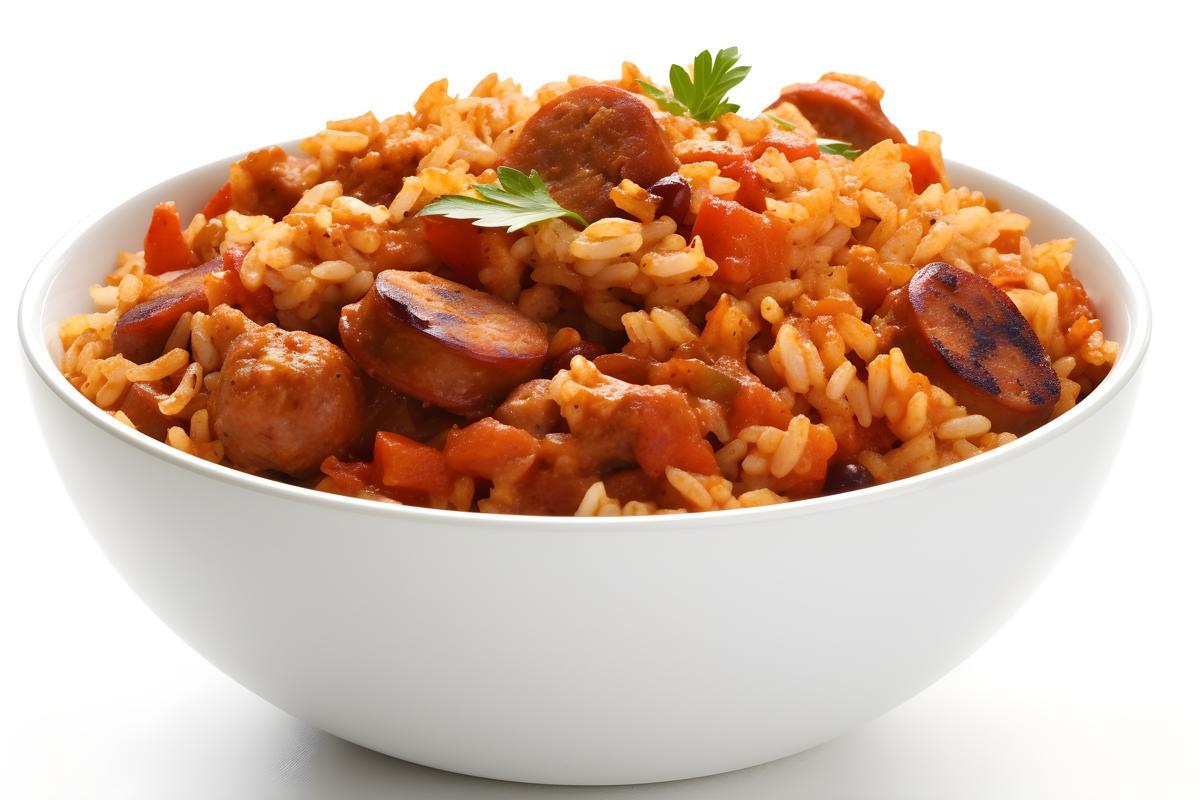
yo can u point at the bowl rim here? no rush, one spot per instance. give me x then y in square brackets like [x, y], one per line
[1131, 294]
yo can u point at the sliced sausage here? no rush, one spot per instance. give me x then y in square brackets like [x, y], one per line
[586, 141]
[792, 145]
[141, 406]
[142, 331]
[286, 400]
[442, 342]
[969, 337]
[841, 111]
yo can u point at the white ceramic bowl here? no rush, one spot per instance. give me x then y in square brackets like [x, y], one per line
[585, 651]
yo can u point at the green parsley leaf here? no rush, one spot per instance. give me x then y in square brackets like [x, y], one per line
[702, 95]
[836, 148]
[783, 123]
[519, 201]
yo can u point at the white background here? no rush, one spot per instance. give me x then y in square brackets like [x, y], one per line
[1090, 692]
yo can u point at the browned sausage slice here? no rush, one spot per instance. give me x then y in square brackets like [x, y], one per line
[586, 141]
[142, 331]
[286, 400]
[442, 342]
[841, 111]
[969, 337]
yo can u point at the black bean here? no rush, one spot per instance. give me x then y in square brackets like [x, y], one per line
[676, 197]
[846, 477]
[588, 350]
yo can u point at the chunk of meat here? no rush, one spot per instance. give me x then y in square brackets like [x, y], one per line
[142, 331]
[286, 400]
[554, 484]
[164, 247]
[442, 342]
[749, 248]
[841, 111]
[269, 181]
[586, 141]
[531, 408]
[669, 435]
[969, 337]
[617, 423]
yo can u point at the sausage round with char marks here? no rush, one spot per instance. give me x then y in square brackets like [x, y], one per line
[586, 141]
[969, 337]
[286, 400]
[442, 342]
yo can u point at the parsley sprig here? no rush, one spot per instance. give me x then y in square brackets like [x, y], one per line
[783, 123]
[702, 95]
[520, 200]
[837, 148]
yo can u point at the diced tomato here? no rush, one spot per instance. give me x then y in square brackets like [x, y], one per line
[350, 477]
[488, 448]
[1008, 241]
[225, 286]
[401, 463]
[920, 165]
[749, 248]
[750, 194]
[1073, 301]
[669, 436]
[1004, 275]
[809, 475]
[220, 202]
[869, 282]
[794, 146]
[165, 248]
[258, 304]
[233, 257]
[755, 404]
[457, 244]
[465, 248]
[690, 152]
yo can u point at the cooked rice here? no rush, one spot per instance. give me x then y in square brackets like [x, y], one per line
[359, 183]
